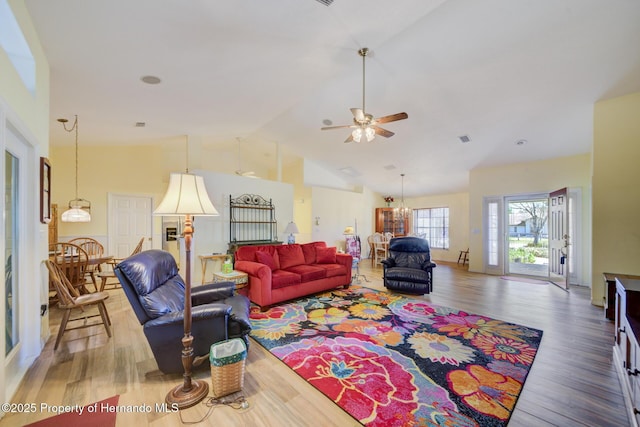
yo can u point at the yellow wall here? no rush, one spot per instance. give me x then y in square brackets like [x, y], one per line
[531, 177]
[140, 170]
[616, 194]
[458, 204]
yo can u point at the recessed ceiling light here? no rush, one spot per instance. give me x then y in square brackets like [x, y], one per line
[152, 80]
[521, 142]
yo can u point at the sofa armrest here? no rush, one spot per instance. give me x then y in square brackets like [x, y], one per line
[428, 265]
[344, 259]
[388, 263]
[260, 281]
[211, 292]
[206, 311]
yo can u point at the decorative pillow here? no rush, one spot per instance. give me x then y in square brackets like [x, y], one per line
[266, 259]
[290, 255]
[326, 255]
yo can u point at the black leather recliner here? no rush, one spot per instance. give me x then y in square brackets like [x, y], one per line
[155, 290]
[409, 268]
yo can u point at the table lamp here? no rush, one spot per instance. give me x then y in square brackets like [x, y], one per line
[291, 229]
[187, 195]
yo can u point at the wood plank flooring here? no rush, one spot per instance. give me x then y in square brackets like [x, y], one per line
[572, 382]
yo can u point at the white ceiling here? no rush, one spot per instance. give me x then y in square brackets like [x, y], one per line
[272, 71]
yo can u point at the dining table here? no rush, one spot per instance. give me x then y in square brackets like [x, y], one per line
[75, 273]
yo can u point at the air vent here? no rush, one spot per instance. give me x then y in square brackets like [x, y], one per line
[325, 2]
[464, 139]
[140, 124]
[349, 171]
[390, 167]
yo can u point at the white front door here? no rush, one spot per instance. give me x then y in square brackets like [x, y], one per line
[130, 218]
[559, 238]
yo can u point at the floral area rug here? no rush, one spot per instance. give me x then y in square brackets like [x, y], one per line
[389, 360]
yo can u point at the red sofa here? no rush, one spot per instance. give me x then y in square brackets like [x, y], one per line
[284, 272]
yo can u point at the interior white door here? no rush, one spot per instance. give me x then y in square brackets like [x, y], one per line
[559, 238]
[130, 218]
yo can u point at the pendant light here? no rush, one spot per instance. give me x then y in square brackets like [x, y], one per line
[79, 209]
[402, 211]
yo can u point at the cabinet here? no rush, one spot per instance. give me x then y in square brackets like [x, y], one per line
[626, 351]
[610, 291]
[387, 222]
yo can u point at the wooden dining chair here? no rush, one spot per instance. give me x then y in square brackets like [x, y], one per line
[69, 299]
[109, 274]
[72, 260]
[94, 249]
[370, 243]
[380, 248]
[464, 257]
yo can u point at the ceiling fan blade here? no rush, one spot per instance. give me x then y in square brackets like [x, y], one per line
[383, 132]
[358, 114]
[392, 118]
[350, 139]
[338, 127]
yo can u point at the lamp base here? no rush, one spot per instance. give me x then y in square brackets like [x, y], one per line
[291, 239]
[182, 399]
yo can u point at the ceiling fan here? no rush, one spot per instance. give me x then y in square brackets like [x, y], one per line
[364, 124]
[239, 171]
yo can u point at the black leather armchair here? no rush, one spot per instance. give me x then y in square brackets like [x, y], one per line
[409, 267]
[155, 290]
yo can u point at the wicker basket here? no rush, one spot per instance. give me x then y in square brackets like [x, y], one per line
[227, 366]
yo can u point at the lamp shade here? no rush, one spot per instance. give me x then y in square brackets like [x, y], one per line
[75, 214]
[186, 195]
[349, 231]
[291, 228]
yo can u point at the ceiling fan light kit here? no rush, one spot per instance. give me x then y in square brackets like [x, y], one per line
[365, 124]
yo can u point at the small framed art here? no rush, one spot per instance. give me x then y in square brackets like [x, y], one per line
[45, 190]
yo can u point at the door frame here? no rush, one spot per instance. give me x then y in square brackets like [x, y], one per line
[33, 326]
[575, 276]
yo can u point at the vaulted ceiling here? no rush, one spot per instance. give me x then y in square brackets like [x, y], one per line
[497, 71]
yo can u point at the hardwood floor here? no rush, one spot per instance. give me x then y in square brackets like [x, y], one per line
[572, 381]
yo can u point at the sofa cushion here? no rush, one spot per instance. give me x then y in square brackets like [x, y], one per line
[268, 260]
[290, 256]
[150, 270]
[167, 298]
[326, 255]
[332, 270]
[309, 252]
[282, 278]
[410, 259]
[308, 272]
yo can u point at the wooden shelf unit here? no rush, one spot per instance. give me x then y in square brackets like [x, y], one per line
[252, 221]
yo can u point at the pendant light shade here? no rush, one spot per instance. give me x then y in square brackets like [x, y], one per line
[79, 209]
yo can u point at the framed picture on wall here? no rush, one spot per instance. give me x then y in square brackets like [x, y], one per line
[45, 190]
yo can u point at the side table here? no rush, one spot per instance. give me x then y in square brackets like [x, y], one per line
[205, 258]
[240, 278]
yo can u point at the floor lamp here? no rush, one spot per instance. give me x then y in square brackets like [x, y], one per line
[187, 195]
